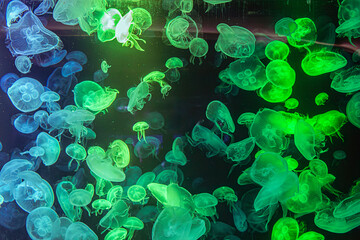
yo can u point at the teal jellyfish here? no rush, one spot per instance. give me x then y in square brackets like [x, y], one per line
[40, 222]
[285, 27]
[51, 146]
[23, 64]
[219, 114]
[198, 48]
[77, 153]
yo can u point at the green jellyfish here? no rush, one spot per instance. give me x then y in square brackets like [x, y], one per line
[138, 97]
[274, 94]
[225, 194]
[318, 63]
[292, 163]
[116, 217]
[137, 194]
[205, 205]
[105, 66]
[280, 73]
[140, 128]
[115, 194]
[285, 26]
[329, 123]
[77, 153]
[285, 228]
[304, 35]
[108, 22]
[311, 235]
[141, 19]
[133, 223]
[346, 81]
[119, 153]
[198, 48]
[82, 197]
[102, 186]
[348, 15]
[277, 50]
[116, 234]
[352, 110]
[291, 103]
[305, 138]
[219, 114]
[246, 119]
[100, 205]
[146, 179]
[321, 98]
[212, 3]
[157, 77]
[181, 30]
[347, 207]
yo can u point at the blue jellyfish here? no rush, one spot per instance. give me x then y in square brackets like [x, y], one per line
[50, 98]
[44, 7]
[100, 76]
[70, 68]
[26, 124]
[7, 81]
[12, 216]
[41, 117]
[77, 56]
[14, 10]
[51, 146]
[60, 84]
[23, 64]
[25, 94]
[39, 223]
[50, 58]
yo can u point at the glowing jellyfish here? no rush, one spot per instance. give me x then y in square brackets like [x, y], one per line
[116, 217]
[347, 81]
[225, 194]
[105, 66]
[25, 94]
[77, 153]
[305, 139]
[79, 230]
[116, 234]
[14, 10]
[274, 94]
[239, 218]
[35, 152]
[321, 98]
[353, 110]
[144, 149]
[304, 35]
[50, 145]
[82, 197]
[57, 83]
[205, 204]
[115, 194]
[176, 155]
[317, 63]
[70, 68]
[198, 48]
[339, 154]
[235, 41]
[137, 194]
[285, 26]
[33, 192]
[23, 64]
[141, 18]
[77, 56]
[140, 128]
[29, 37]
[181, 30]
[325, 220]
[239, 151]
[219, 114]
[63, 190]
[311, 235]
[100, 205]
[212, 3]
[40, 222]
[59, 228]
[108, 22]
[280, 73]
[146, 179]
[50, 58]
[277, 50]
[285, 228]
[7, 80]
[138, 97]
[119, 152]
[348, 15]
[291, 103]
[248, 74]
[246, 119]
[25, 124]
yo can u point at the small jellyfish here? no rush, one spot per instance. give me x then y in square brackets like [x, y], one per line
[212, 3]
[50, 145]
[181, 30]
[57, 83]
[77, 153]
[321, 99]
[100, 205]
[246, 119]
[274, 94]
[277, 50]
[305, 137]
[119, 153]
[339, 155]
[219, 114]
[137, 194]
[116, 234]
[108, 22]
[23, 64]
[133, 223]
[155, 120]
[105, 66]
[25, 124]
[144, 149]
[285, 26]
[140, 128]
[291, 103]
[77, 56]
[50, 58]
[198, 48]
[82, 197]
[173, 64]
[226, 194]
[40, 221]
[285, 228]
[14, 10]
[50, 98]
[346, 81]
[35, 152]
[239, 151]
[70, 68]
[115, 194]
[141, 18]
[304, 35]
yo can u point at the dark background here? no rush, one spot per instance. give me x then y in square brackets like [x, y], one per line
[187, 101]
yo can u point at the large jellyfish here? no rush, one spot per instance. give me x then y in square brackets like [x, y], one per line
[181, 30]
[40, 221]
[347, 81]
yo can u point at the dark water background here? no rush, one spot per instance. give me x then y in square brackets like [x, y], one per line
[187, 101]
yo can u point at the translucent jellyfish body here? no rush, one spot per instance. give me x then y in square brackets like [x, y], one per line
[235, 41]
[239, 218]
[181, 30]
[305, 33]
[198, 48]
[118, 234]
[51, 146]
[119, 152]
[50, 58]
[280, 73]
[25, 124]
[77, 56]
[285, 26]
[40, 222]
[146, 149]
[277, 50]
[82, 197]
[23, 64]
[25, 94]
[321, 99]
[347, 81]
[137, 194]
[14, 10]
[246, 119]
[116, 217]
[70, 68]
[7, 80]
[220, 115]
[76, 152]
[155, 120]
[57, 83]
[79, 230]
[268, 128]
[239, 151]
[305, 141]
[133, 224]
[100, 205]
[205, 204]
[325, 220]
[141, 18]
[108, 21]
[140, 128]
[291, 103]
[317, 63]
[353, 110]
[33, 192]
[285, 228]
[138, 97]
[348, 15]
[29, 37]
[105, 66]
[248, 74]
[273, 94]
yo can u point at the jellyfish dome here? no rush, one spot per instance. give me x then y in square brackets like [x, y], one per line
[25, 94]
[39, 223]
[51, 146]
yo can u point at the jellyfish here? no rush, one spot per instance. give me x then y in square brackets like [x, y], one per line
[226, 194]
[318, 63]
[205, 205]
[116, 217]
[346, 81]
[274, 94]
[277, 50]
[70, 68]
[40, 222]
[219, 114]
[51, 146]
[146, 179]
[23, 64]
[155, 120]
[339, 155]
[119, 153]
[248, 74]
[25, 124]
[291, 103]
[77, 153]
[304, 35]
[141, 19]
[311, 235]
[25, 94]
[285, 26]
[321, 98]
[181, 30]
[280, 73]
[198, 48]
[176, 155]
[116, 234]
[108, 22]
[246, 119]
[239, 218]
[212, 3]
[7, 80]
[138, 97]
[63, 190]
[29, 37]
[35, 152]
[33, 192]
[235, 41]
[328, 123]
[348, 15]
[50, 98]
[285, 228]
[239, 151]
[144, 149]
[50, 58]
[79, 230]
[325, 220]
[102, 186]
[100, 205]
[57, 83]
[140, 128]
[305, 139]
[173, 64]
[105, 66]
[77, 56]
[352, 110]
[137, 194]
[14, 10]
[115, 194]
[82, 197]
[12, 216]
